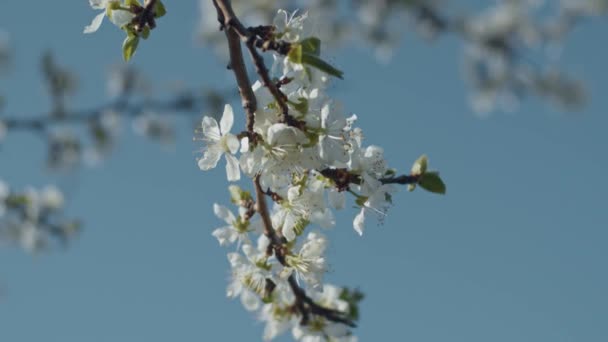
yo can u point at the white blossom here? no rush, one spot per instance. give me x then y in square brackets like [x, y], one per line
[114, 9]
[220, 141]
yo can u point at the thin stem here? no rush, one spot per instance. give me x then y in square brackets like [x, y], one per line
[230, 23]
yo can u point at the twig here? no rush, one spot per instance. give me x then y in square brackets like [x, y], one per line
[231, 23]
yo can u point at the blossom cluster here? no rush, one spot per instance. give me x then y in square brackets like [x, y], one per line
[306, 161]
[510, 48]
[503, 39]
[135, 18]
[32, 218]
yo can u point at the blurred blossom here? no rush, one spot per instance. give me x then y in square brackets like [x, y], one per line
[156, 127]
[31, 218]
[506, 44]
[123, 80]
[103, 130]
[64, 150]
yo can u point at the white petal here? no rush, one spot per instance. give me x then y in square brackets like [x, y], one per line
[288, 227]
[210, 159]
[225, 235]
[121, 18]
[95, 24]
[359, 222]
[223, 213]
[232, 168]
[227, 119]
[245, 145]
[250, 301]
[210, 128]
[98, 4]
[325, 218]
[232, 142]
[282, 134]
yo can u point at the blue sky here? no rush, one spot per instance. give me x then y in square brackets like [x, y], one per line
[516, 251]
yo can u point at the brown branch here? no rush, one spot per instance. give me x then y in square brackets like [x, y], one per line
[235, 30]
[237, 64]
[342, 178]
[231, 23]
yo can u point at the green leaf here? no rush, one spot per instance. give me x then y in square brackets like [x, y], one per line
[312, 46]
[360, 201]
[145, 32]
[431, 181]
[295, 54]
[320, 64]
[129, 46]
[307, 53]
[159, 10]
[353, 298]
[132, 3]
[301, 106]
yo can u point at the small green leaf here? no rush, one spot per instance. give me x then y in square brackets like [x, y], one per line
[312, 46]
[295, 54]
[129, 46]
[390, 173]
[145, 32]
[112, 6]
[301, 106]
[431, 181]
[159, 10]
[360, 201]
[320, 64]
[308, 55]
[132, 3]
[353, 298]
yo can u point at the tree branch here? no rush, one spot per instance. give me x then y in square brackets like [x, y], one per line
[231, 23]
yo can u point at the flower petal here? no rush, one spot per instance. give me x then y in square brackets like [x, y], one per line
[324, 218]
[288, 227]
[359, 222]
[98, 4]
[225, 235]
[227, 119]
[250, 301]
[223, 213]
[95, 24]
[232, 168]
[210, 128]
[232, 142]
[209, 159]
[121, 18]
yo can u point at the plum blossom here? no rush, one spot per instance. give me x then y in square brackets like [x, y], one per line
[236, 230]
[114, 9]
[309, 263]
[376, 199]
[220, 141]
